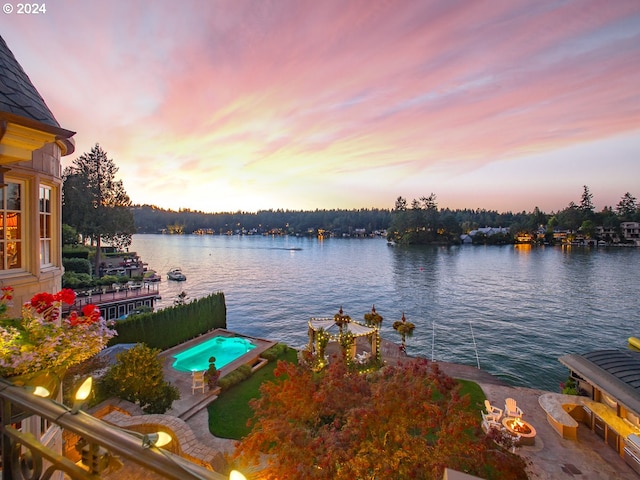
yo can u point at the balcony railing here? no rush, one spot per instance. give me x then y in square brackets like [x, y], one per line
[25, 457]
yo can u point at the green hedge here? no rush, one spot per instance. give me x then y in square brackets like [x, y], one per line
[77, 280]
[173, 325]
[235, 377]
[77, 265]
[75, 253]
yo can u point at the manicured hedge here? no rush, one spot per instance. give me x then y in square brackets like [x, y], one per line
[173, 325]
[77, 265]
[75, 253]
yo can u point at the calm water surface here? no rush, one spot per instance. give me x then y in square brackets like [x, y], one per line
[512, 310]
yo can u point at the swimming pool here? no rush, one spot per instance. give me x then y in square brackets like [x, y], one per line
[224, 349]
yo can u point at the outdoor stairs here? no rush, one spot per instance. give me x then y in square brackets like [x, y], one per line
[203, 403]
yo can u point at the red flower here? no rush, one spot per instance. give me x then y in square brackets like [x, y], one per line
[42, 301]
[74, 319]
[66, 295]
[7, 294]
[91, 312]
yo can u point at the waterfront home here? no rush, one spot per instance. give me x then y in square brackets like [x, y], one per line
[32, 143]
[631, 232]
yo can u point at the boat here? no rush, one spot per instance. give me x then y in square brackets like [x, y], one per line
[176, 274]
[634, 342]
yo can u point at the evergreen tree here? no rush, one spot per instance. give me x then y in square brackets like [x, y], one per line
[586, 203]
[95, 203]
[627, 207]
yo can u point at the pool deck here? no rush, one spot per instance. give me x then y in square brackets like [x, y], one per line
[190, 403]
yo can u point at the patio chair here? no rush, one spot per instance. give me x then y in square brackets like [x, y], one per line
[511, 409]
[492, 411]
[488, 423]
[197, 382]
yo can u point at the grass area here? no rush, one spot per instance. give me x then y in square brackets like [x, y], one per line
[476, 395]
[228, 415]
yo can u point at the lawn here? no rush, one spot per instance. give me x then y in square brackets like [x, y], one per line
[228, 415]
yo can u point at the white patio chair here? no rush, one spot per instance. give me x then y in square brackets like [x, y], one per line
[197, 382]
[488, 423]
[492, 411]
[511, 409]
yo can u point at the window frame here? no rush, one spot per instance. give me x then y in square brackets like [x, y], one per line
[18, 239]
[48, 218]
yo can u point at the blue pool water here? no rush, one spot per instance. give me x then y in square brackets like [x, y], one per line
[224, 349]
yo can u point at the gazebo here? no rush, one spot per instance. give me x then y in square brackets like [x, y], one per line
[334, 329]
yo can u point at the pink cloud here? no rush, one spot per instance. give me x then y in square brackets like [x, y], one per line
[321, 90]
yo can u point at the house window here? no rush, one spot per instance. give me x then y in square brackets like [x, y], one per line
[45, 225]
[11, 226]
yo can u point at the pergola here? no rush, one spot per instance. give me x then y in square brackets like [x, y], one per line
[332, 327]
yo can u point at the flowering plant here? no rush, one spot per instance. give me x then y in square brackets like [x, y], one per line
[41, 339]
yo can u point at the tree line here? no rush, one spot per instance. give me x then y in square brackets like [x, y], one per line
[96, 209]
[422, 222]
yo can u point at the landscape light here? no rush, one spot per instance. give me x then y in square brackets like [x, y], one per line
[157, 439]
[82, 394]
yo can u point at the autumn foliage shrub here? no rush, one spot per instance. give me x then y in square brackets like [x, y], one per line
[403, 422]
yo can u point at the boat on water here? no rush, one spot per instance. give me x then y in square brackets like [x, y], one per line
[634, 342]
[176, 274]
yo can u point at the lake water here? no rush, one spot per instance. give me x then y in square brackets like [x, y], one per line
[511, 309]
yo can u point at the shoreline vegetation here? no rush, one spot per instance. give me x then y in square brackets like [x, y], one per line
[419, 222]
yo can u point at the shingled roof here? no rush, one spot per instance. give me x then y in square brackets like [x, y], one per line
[19, 99]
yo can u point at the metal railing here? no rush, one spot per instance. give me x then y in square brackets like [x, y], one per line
[25, 457]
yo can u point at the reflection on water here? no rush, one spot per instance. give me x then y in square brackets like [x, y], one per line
[525, 306]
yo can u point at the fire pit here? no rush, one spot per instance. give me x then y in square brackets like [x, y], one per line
[517, 426]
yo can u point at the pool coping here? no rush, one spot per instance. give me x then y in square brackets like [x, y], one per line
[190, 403]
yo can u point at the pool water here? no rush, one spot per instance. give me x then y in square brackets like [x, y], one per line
[224, 349]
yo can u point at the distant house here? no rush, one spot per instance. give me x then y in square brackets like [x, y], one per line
[609, 234]
[32, 143]
[467, 238]
[631, 232]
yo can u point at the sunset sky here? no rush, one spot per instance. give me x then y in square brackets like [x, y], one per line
[225, 105]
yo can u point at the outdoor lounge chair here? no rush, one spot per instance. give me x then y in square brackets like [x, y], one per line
[511, 409]
[492, 411]
[197, 382]
[488, 423]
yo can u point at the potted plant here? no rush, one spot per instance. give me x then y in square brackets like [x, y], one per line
[41, 345]
[212, 374]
